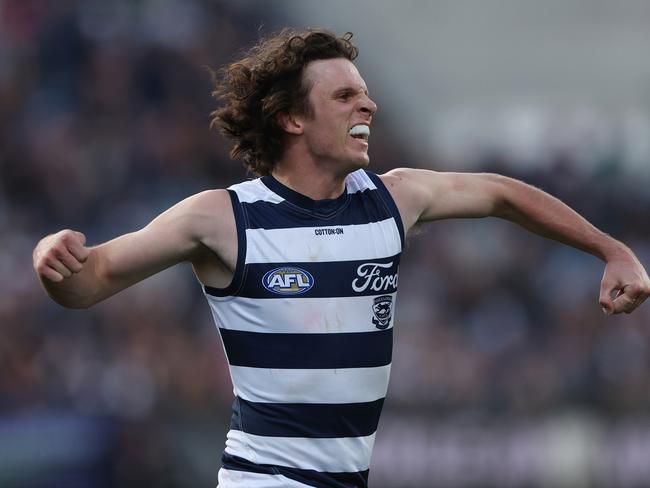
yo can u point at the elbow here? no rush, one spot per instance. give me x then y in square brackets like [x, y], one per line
[504, 209]
[501, 196]
[517, 201]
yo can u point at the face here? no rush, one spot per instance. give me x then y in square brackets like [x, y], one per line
[336, 132]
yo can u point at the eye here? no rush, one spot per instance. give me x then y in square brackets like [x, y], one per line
[344, 96]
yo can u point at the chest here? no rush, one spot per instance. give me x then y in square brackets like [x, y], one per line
[320, 243]
[329, 258]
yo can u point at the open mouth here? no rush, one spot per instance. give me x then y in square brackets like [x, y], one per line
[360, 131]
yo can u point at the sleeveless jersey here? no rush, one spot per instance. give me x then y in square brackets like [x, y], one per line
[307, 328]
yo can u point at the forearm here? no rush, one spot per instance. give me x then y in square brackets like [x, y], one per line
[547, 216]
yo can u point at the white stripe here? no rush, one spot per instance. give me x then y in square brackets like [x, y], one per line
[292, 316]
[244, 479]
[364, 241]
[359, 181]
[254, 191]
[344, 385]
[340, 455]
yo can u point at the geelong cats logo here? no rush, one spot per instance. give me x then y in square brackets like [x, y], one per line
[288, 281]
[382, 308]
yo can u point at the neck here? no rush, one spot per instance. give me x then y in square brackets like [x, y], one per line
[318, 186]
[309, 179]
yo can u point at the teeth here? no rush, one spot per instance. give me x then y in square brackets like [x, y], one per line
[360, 130]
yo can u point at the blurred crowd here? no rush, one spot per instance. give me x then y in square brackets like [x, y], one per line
[104, 123]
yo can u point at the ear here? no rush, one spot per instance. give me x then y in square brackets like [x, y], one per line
[290, 122]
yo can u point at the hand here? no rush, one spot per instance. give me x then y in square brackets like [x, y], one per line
[625, 284]
[59, 256]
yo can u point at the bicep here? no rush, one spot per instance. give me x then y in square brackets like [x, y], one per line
[133, 257]
[425, 195]
[172, 237]
[466, 195]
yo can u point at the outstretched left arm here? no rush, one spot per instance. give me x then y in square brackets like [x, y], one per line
[423, 195]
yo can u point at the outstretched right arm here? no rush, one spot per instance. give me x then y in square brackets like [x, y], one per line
[77, 276]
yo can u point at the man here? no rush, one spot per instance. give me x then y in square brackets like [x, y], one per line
[300, 265]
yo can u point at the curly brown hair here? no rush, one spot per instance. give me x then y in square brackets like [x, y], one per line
[267, 81]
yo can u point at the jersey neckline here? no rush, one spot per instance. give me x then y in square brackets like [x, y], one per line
[326, 206]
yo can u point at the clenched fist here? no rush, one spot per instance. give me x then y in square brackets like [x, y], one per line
[59, 256]
[625, 284]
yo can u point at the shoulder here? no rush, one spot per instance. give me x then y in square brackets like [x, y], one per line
[207, 201]
[208, 218]
[414, 185]
[203, 204]
[201, 214]
[409, 178]
[410, 189]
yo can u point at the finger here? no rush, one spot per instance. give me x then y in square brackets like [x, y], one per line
[82, 238]
[625, 303]
[50, 274]
[605, 299]
[637, 294]
[69, 260]
[79, 251]
[59, 267]
[75, 243]
[641, 300]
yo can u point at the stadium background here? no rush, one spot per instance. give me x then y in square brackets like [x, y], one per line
[505, 373]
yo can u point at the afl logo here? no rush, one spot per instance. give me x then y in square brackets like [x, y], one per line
[288, 281]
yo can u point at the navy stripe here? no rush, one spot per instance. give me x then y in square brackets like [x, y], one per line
[315, 420]
[389, 202]
[330, 279]
[238, 275]
[324, 207]
[360, 208]
[307, 476]
[308, 351]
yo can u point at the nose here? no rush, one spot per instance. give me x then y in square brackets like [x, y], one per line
[368, 106]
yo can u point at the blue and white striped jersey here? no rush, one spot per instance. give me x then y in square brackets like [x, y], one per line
[307, 327]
